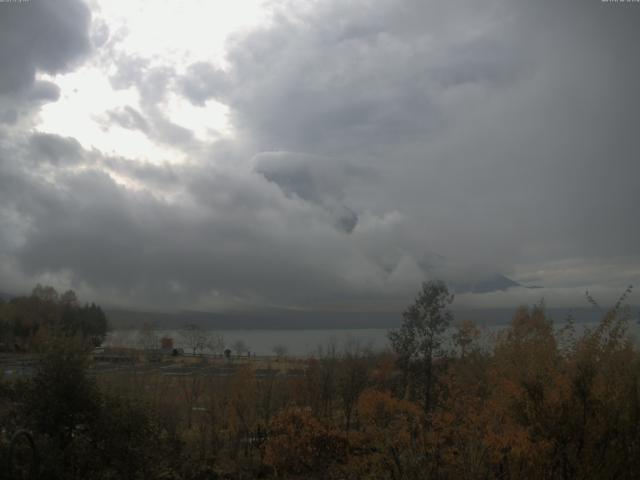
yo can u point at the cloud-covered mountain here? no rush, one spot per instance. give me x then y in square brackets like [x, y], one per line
[492, 283]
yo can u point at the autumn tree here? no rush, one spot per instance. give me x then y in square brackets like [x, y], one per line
[241, 411]
[22, 317]
[465, 336]
[300, 444]
[603, 374]
[418, 341]
[391, 444]
[321, 379]
[192, 386]
[353, 377]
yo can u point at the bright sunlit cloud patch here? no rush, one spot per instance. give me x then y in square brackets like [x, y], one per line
[208, 122]
[86, 96]
[181, 31]
[174, 33]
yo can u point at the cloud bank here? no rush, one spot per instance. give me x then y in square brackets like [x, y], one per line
[374, 145]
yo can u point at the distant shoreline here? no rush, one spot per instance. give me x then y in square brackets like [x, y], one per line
[120, 319]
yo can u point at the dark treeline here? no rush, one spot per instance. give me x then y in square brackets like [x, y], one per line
[22, 319]
[535, 402]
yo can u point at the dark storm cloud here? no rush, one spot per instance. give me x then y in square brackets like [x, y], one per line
[9, 116]
[19, 107]
[505, 130]
[376, 144]
[40, 36]
[342, 77]
[228, 233]
[54, 149]
[310, 177]
[318, 180]
[44, 92]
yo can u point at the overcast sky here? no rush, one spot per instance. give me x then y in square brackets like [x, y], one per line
[318, 154]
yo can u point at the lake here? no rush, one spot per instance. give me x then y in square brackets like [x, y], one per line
[261, 342]
[301, 342]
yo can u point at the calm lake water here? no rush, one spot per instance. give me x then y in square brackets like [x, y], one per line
[300, 342]
[261, 342]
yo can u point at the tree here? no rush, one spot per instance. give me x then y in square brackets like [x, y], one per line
[464, 336]
[147, 336]
[61, 396]
[23, 317]
[392, 441]
[353, 377]
[280, 350]
[45, 293]
[419, 339]
[192, 387]
[69, 299]
[215, 342]
[88, 321]
[240, 347]
[93, 323]
[80, 431]
[194, 338]
[301, 446]
[242, 411]
[321, 379]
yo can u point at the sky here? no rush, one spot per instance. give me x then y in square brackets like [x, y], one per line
[319, 154]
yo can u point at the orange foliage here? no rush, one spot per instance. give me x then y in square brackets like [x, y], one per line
[299, 443]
